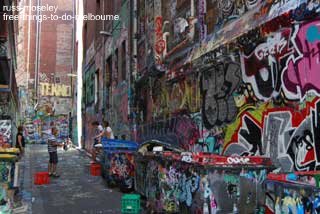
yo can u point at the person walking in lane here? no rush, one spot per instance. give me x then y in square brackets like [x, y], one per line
[20, 141]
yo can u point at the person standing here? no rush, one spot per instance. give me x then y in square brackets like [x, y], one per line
[53, 152]
[99, 132]
[108, 131]
[20, 141]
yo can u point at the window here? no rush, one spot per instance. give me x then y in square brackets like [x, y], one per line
[85, 41]
[57, 80]
[116, 68]
[123, 69]
[211, 16]
[89, 85]
[91, 98]
[108, 72]
[96, 87]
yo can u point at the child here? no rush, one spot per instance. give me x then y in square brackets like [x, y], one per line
[53, 153]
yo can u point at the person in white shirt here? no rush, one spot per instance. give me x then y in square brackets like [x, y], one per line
[99, 131]
[107, 130]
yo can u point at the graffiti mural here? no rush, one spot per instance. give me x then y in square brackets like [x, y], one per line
[176, 97]
[300, 75]
[118, 117]
[262, 68]
[174, 186]
[38, 128]
[218, 85]
[181, 131]
[121, 165]
[289, 137]
[5, 131]
[237, 77]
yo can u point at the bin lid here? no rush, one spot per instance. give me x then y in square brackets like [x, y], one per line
[114, 144]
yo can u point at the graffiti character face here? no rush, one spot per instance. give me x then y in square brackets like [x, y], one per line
[30, 129]
[305, 149]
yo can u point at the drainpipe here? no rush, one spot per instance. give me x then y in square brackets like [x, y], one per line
[135, 31]
[28, 52]
[134, 62]
[37, 58]
[71, 112]
[103, 64]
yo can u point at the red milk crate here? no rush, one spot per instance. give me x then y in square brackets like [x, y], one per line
[95, 169]
[41, 178]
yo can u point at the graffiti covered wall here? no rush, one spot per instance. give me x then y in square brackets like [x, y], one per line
[5, 132]
[240, 79]
[119, 90]
[38, 128]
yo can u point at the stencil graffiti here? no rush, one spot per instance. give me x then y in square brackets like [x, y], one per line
[218, 84]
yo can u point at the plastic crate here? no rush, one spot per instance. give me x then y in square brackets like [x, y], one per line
[41, 178]
[95, 169]
[130, 203]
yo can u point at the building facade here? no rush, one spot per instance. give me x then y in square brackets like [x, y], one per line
[106, 64]
[9, 105]
[45, 67]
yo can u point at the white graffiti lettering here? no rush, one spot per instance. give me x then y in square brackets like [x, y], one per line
[238, 160]
[273, 45]
[186, 157]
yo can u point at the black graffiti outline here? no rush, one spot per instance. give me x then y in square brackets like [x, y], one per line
[253, 136]
[217, 85]
[314, 137]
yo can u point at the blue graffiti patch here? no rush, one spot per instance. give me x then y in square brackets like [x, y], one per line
[313, 34]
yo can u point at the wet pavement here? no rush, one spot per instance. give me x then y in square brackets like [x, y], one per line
[76, 191]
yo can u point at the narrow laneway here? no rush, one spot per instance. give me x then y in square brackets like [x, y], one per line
[76, 191]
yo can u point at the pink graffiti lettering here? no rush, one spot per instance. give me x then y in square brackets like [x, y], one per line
[302, 73]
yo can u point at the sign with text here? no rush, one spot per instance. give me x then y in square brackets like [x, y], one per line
[58, 90]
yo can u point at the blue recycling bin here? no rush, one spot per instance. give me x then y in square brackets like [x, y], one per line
[113, 145]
